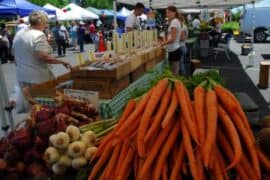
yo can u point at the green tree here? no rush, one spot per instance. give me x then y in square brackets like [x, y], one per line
[100, 4]
[57, 3]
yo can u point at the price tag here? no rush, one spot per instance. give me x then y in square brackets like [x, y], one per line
[91, 96]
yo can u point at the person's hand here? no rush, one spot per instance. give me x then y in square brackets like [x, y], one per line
[67, 65]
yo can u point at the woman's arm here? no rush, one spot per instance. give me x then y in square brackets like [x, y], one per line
[171, 37]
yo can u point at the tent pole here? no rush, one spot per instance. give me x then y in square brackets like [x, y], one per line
[115, 15]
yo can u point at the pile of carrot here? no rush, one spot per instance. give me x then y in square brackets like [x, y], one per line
[166, 134]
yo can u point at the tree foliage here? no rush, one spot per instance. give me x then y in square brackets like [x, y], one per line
[99, 4]
[57, 3]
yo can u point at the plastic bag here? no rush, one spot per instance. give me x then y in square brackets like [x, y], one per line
[18, 99]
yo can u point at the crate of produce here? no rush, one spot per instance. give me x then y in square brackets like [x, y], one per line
[107, 88]
[135, 63]
[112, 108]
[152, 54]
[137, 73]
[160, 54]
[97, 71]
[144, 56]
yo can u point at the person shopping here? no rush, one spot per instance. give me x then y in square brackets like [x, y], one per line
[32, 54]
[183, 47]
[132, 22]
[173, 38]
[61, 36]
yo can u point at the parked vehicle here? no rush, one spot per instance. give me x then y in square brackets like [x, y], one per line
[261, 23]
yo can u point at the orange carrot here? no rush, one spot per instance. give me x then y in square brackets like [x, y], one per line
[243, 167]
[132, 118]
[200, 165]
[113, 162]
[165, 172]
[199, 110]
[225, 98]
[155, 150]
[183, 102]
[179, 162]
[217, 171]
[221, 162]
[166, 150]
[125, 167]
[161, 111]
[131, 105]
[251, 149]
[265, 162]
[170, 112]
[123, 153]
[102, 145]
[232, 134]
[102, 160]
[158, 92]
[212, 117]
[189, 150]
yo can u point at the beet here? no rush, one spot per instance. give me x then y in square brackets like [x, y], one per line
[46, 128]
[21, 138]
[37, 169]
[61, 125]
[40, 143]
[44, 114]
[62, 109]
[3, 146]
[12, 155]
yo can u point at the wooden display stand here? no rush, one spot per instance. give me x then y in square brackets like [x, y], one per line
[137, 73]
[107, 88]
[264, 74]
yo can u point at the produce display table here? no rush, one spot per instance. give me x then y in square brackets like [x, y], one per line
[112, 108]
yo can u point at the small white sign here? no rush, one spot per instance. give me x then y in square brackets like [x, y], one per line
[91, 96]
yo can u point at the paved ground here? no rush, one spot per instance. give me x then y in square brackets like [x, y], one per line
[253, 72]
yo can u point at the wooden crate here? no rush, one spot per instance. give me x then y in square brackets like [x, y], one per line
[107, 88]
[152, 54]
[144, 57]
[45, 89]
[149, 65]
[135, 63]
[63, 78]
[122, 70]
[137, 73]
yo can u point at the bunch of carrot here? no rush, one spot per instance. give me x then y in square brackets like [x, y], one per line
[168, 135]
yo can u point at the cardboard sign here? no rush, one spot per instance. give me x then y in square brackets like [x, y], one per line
[91, 96]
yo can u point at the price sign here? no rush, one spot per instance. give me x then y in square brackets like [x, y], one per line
[91, 96]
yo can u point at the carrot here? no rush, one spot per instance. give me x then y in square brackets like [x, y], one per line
[131, 105]
[232, 135]
[132, 118]
[221, 161]
[158, 91]
[170, 112]
[102, 145]
[113, 162]
[155, 150]
[160, 113]
[243, 167]
[165, 172]
[251, 149]
[217, 171]
[189, 150]
[166, 150]
[123, 153]
[265, 162]
[135, 166]
[183, 102]
[212, 116]
[212, 159]
[102, 160]
[125, 167]
[231, 104]
[179, 162]
[200, 165]
[199, 110]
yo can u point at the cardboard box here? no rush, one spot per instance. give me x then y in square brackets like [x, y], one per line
[107, 88]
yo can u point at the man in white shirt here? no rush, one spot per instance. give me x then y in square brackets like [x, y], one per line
[21, 25]
[32, 53]
[132, 22]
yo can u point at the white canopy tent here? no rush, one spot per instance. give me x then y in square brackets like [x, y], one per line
[78, 13]
[161, 4]
[60, 15]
